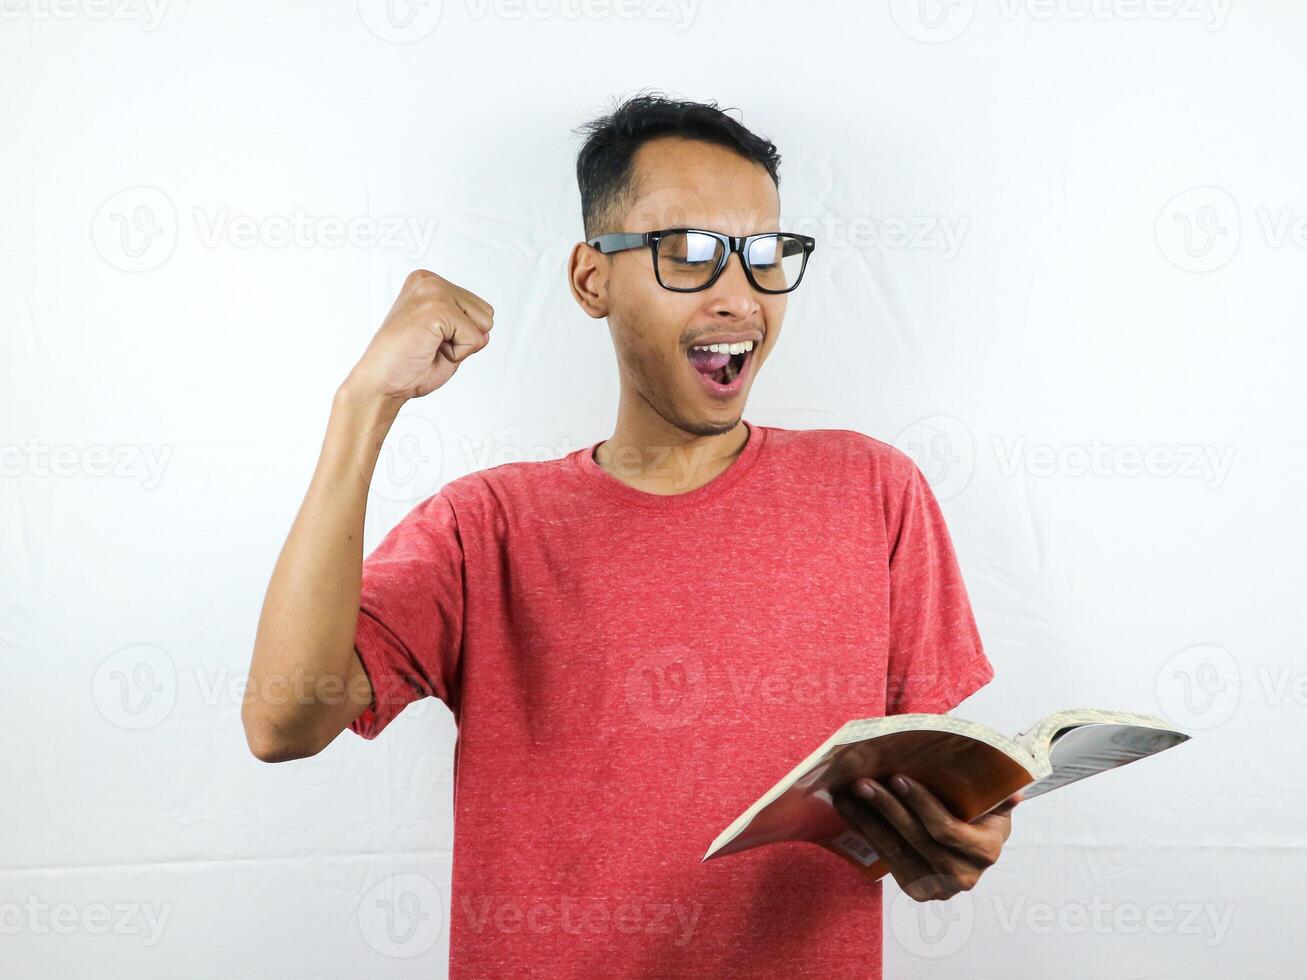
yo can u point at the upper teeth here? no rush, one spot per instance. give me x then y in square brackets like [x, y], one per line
[740, 348]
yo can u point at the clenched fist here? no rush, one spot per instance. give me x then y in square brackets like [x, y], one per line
[432, 328]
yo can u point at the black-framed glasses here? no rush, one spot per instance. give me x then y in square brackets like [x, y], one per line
[686, 260]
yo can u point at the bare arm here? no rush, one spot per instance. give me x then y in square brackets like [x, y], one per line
[306, 683]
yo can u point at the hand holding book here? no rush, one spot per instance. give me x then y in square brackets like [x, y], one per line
[931, 853]
[970, 770]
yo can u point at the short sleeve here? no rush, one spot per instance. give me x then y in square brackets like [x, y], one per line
[935, 654]
[410, 622]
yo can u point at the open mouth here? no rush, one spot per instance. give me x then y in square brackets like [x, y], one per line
[721, 365]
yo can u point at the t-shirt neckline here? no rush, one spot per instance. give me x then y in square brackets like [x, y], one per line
[623, 493]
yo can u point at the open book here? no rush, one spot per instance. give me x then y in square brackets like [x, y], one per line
[969, 766]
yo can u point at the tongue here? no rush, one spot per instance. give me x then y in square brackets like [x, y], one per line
[707, 361]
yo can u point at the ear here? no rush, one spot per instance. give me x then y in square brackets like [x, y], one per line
[587, 276]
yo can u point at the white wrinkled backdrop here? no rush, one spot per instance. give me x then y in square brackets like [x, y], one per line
[1060, 260]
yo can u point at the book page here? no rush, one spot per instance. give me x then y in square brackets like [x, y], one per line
[1084, 750]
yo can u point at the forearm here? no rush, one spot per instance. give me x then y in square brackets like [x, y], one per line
[304, 683]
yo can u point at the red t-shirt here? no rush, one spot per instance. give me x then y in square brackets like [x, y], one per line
[629, 671]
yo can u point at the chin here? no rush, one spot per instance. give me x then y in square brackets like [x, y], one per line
[700, 425]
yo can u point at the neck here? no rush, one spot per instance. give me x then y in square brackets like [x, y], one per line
[648, 453]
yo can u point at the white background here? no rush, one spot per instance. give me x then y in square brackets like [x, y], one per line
[1060, 261]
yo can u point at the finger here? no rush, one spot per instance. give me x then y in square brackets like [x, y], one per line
[466, 338]
[905, 864]
[475, 308]
[1005, 807]
[900, 818]
[943, 827]
[1001, 810]
[441, 370]
[997, 823]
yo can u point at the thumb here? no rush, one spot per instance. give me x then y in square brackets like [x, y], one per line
[1002, 810]
[1007, 805]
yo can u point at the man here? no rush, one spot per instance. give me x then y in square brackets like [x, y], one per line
[640, 637]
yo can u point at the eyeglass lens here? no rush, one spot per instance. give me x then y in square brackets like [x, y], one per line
[687, 260]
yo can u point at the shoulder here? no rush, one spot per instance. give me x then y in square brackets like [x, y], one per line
[843, 449]
[507, 487]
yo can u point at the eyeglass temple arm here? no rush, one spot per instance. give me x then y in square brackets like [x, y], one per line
[618, 241]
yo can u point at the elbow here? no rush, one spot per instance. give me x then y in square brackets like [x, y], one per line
[273, 751]
[269, 742]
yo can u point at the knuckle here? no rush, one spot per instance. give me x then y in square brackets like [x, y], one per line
[927, 889]
[948, 836]
[979, 855]
[429, 286]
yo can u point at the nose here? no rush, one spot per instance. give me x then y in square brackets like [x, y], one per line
[732, 294]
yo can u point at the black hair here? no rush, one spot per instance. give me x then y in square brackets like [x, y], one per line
[604, 163]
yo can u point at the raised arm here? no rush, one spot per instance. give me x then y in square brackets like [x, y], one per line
[306, 683]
